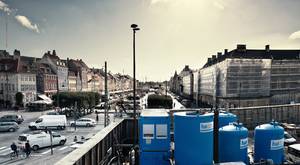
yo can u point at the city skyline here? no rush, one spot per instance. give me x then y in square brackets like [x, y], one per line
[172, 31]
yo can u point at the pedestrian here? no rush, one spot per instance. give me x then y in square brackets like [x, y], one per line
[97, 117]
[27, 149]
[75, 139]
[14, 148]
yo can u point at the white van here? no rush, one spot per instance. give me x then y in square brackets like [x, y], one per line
[49, 121]
[40, 140]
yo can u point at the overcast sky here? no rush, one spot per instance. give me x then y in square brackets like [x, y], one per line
[173, 33]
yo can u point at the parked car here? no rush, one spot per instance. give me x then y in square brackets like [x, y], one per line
[41, 139]
[293, 154]
[9, 126]
[83, 122]
[289, 139]
[12, 118]
[49, 122]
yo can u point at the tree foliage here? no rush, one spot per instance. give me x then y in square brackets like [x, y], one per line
[19, 98]
[83, 99]
[159, 101]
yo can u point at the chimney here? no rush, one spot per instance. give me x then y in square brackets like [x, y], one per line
[267, 48]
[241, 47]
[54, 53]
[213, 57]
[48, 52]
[225, 51]
[208, 60]
[17, 52]
[219, 54]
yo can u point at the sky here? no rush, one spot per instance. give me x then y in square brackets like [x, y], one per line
[174, 33]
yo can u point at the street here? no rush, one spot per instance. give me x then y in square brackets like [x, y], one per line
[43, 156]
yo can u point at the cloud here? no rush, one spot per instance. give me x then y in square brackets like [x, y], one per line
[4, 7]
[295, 35]
[24, 21]
[219, 5]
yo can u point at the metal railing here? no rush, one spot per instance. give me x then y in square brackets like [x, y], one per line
[102, 147]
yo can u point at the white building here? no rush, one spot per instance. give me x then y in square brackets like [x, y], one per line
[16, 77]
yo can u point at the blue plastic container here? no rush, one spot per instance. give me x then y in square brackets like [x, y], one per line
[154, 128]
[193, 136]
[269, 143]
[226, 118]
[233, 143]
[154, 158]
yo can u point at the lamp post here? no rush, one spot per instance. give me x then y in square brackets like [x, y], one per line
[134, 29]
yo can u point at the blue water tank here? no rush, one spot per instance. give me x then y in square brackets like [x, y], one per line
[226, 118]
[269, 143]
[154, 128]
[193, 137]
[233, 143]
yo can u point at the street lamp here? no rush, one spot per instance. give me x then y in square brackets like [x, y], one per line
[134, 29]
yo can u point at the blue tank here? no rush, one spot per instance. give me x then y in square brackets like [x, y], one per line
[193, 136]
[226, 118]
[269, 143]
[233, 143]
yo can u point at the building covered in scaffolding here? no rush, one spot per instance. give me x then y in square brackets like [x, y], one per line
[248, 77]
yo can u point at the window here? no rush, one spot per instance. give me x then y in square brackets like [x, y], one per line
[22, 138]
[148, 131]
[39, 120]
[161, 131]
[56, 136]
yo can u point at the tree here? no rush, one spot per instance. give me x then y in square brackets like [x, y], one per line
[19, 99]
[159, 101]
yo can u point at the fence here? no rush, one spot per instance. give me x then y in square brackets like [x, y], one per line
[102, 147]
[253, 116]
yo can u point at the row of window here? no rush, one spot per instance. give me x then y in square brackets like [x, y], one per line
[51, 86]
[51, 77]
[9, 87]
[28, 87]
[28, 78]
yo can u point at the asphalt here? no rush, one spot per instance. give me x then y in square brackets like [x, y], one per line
[43, 156]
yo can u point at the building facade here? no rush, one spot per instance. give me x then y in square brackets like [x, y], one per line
[246, 77]
[59, 67]
[46, 80]
[16, 77]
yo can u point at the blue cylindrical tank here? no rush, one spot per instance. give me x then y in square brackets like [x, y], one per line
[193, 136]
[269, 143]
[233, 143]
[226, 118]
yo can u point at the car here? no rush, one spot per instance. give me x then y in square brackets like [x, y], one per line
[9, 126]
[83, 122]
[289, 139]
[49, 122]
[12, 118]
[41, 139]
[293, 154]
